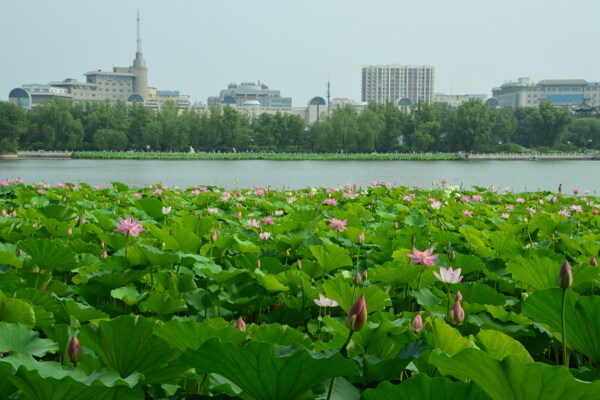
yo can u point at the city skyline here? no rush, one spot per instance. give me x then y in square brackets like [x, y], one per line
[200, 48]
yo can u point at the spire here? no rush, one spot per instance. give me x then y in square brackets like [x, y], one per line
[139, 37]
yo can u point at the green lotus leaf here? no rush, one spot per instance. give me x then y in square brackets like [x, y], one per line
[142, 254]
[16, 310]
[395, 273]
[536, 272]
[341, 291]
[51, 381]
[511, 379]
[331, 257]
[9, 258]
[49, 255]
[448, 339]
[270, 282]
[582, 318]
[500, 345]
[184, 335]
[151, 206]
[266, 371]
[423, 387]
[430, 301]
[467, 263]
[162, 303]
[17, 338]
[127, 345]
[81, 312]
[282, 335]
[478, 293]
[59, 212]
[244, 246]
[128, 295]
[585, 274]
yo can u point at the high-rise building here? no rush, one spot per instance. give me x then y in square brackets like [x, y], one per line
[400, 84]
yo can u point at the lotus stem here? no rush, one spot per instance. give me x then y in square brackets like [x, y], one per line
[564, 329]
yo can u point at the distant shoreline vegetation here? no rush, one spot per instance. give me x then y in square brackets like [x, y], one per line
[261, 156]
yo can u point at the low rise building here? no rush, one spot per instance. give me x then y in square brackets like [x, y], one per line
[248, 93]
[564, 93]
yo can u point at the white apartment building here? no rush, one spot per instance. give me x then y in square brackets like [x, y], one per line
[560, 92]
[398, 83]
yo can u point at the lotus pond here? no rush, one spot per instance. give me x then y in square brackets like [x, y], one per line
[346, 293]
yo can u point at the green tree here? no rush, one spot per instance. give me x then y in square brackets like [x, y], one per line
[584, 132]
[12, 126]
[547, 124]
[394, 121]
[505, 125]
[52, 126]
[110, 139]
[175, 133]
[370, 127]
[140, 118]
[469, 126]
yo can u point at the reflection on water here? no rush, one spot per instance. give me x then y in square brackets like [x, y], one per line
[231, 174]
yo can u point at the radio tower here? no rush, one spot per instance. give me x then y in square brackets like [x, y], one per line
[328, 94]
[139, 68]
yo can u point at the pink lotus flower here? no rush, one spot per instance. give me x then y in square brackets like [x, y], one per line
[129, 227]
[477, 198]
[448, 275]
[436, 205]
[444, 180]
[468, 213]
[264, 235]
[268, 220]
[505, 215]
[330, 202]
[253, 223]
[417, 323]
[357, 316]
[325, 302]
[564, 213]
[240, 325]
[338, 225]
[422, 257]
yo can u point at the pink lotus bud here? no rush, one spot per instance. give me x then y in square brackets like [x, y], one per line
[565, 276]
[239, 215]
[213, 236]
[417, 323]
[457, 314]
[357, 316]
[361, 238]
[365, 274]
[104, 255]
[357, 277]
[258, 262]
[240, 324]
[70, 231]
[102, 245]
[299, 263]
[458, 296]
[287, 252]
[593, 262]
[452, 255]
[18, 251]
[74, 350]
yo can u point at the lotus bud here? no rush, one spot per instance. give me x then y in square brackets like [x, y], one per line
[413, 239]
[357, 277]
[239, 215]
[357, 316]
[458, 296]
[593, 262]
[287, 252]
[396, 225]
[240, 324]
[452, 255]
[417, 323]
[258, 262]
[74, 350]
[18, 251]
[457, 314]
[104, 255]
[70, 231]
[565, 276]
[213, 236]
[365, 274]
[361, 238]
[102, 245]
[299, 263]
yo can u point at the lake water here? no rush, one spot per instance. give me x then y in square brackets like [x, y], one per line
[231, 174]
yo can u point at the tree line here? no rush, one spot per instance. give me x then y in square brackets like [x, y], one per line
[471, 127]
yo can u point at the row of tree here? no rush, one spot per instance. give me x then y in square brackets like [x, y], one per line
[473, 126]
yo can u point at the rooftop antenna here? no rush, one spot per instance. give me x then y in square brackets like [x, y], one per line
[139, 36]
[328, 92]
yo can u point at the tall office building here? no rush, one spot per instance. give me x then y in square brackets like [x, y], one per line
[401, 84]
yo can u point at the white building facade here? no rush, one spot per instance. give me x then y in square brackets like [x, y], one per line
[384, 83]
[560, 92]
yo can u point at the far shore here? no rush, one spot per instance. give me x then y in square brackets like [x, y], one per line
[300, 156]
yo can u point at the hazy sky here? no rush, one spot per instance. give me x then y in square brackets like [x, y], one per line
[199, 47]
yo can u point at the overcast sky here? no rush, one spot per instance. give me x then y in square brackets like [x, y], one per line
[199, 47]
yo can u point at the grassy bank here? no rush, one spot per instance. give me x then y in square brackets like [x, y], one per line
[260, 156]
